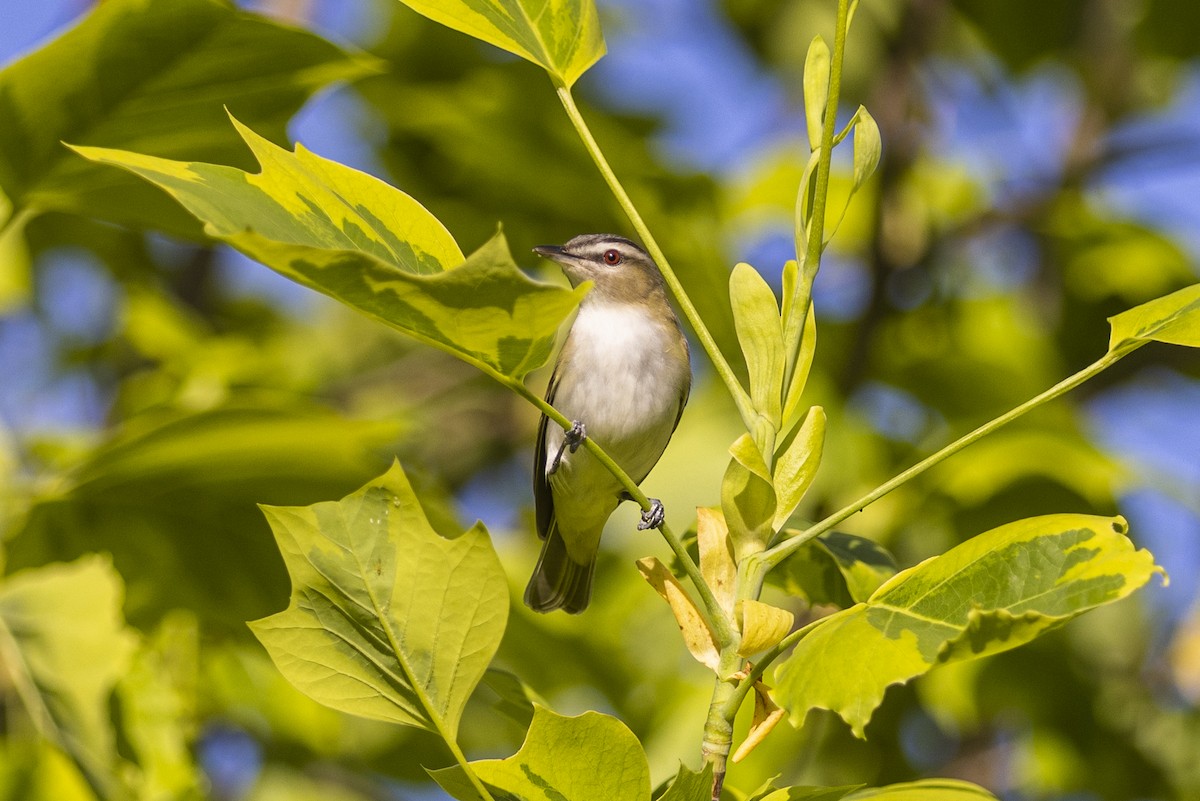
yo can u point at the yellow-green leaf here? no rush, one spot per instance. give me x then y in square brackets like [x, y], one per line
[590, 757]
[716, 555]
[563, 36]
[156, 77]
[867, 148]
[388, 619]
[762, 625]
[834, 568]
[697, 636]
[371, 246]
[64, 645]
[747, 498]
[992, 593]
[1174, 319]
[816, 89]
[760, 333]
[797, 462]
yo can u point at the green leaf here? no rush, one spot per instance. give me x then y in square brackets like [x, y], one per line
[760, 333]
[804, 360]
[369, 245]
[172, 495]
[867, 148]
[992, 593]
[563, 36]
[64, 645]
[153, 76]
[925, 790]
[762, 625]
[690, 785]
[158, 709]
[1174, 319]
[835, 568]
[747, 498]
[805, 793]
[388, 620]
[796, 466]
[16, 265]
[511, 697]
[591, 757]
[816, 89]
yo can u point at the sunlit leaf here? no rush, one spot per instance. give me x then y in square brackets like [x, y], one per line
[760, 333]
[816, 89]
[796, 464]
[591, 757]
[369, 245]
[717, 564]
[924, 790]
[154, 77]
[834, 568]
[16, 266]
[689, 785]
[867, 148]
[804, 360]
[767, 715]
[511, 697]
[992, 593]
[388, 619]
[762, 625]
[747, 498]
[64, 645]
[563, 36]
[804, 793]
[158, 709]
[1174, 319]
[697, 636]
[162, 477]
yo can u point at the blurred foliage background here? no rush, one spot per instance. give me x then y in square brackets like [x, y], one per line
[1041, 171]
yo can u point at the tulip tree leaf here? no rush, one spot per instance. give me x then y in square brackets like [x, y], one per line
[747, 498]
[562, 36]
[690, 785]
[591, 757]
[760, 333]
[1173, 318]
[155, 77]
[796, 467]
[992, 593]
[371, 246]
[835, 568]
[388, 619]
[64, 645]
[924, 790]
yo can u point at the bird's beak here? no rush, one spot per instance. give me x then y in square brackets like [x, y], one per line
[552, 252]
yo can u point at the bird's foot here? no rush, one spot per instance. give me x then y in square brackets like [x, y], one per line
[573, 437]
[654, 516]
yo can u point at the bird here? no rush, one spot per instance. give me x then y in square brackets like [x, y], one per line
[622, 378]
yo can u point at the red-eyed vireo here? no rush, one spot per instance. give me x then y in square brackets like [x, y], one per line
[622, 377]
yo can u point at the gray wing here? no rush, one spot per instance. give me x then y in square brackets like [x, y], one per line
[543, 500]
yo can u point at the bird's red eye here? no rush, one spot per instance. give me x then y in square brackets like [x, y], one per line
[612, 257]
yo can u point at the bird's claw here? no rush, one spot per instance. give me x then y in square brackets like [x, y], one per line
[654, 516]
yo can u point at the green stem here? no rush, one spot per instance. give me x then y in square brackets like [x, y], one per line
[461, 759]
[740, 398]
[810, 254]
[785, 549]
[715, 617]
[734, 701]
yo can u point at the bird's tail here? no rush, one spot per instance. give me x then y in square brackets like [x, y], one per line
[559, 582]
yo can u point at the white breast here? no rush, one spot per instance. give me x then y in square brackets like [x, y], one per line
[627, 384]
